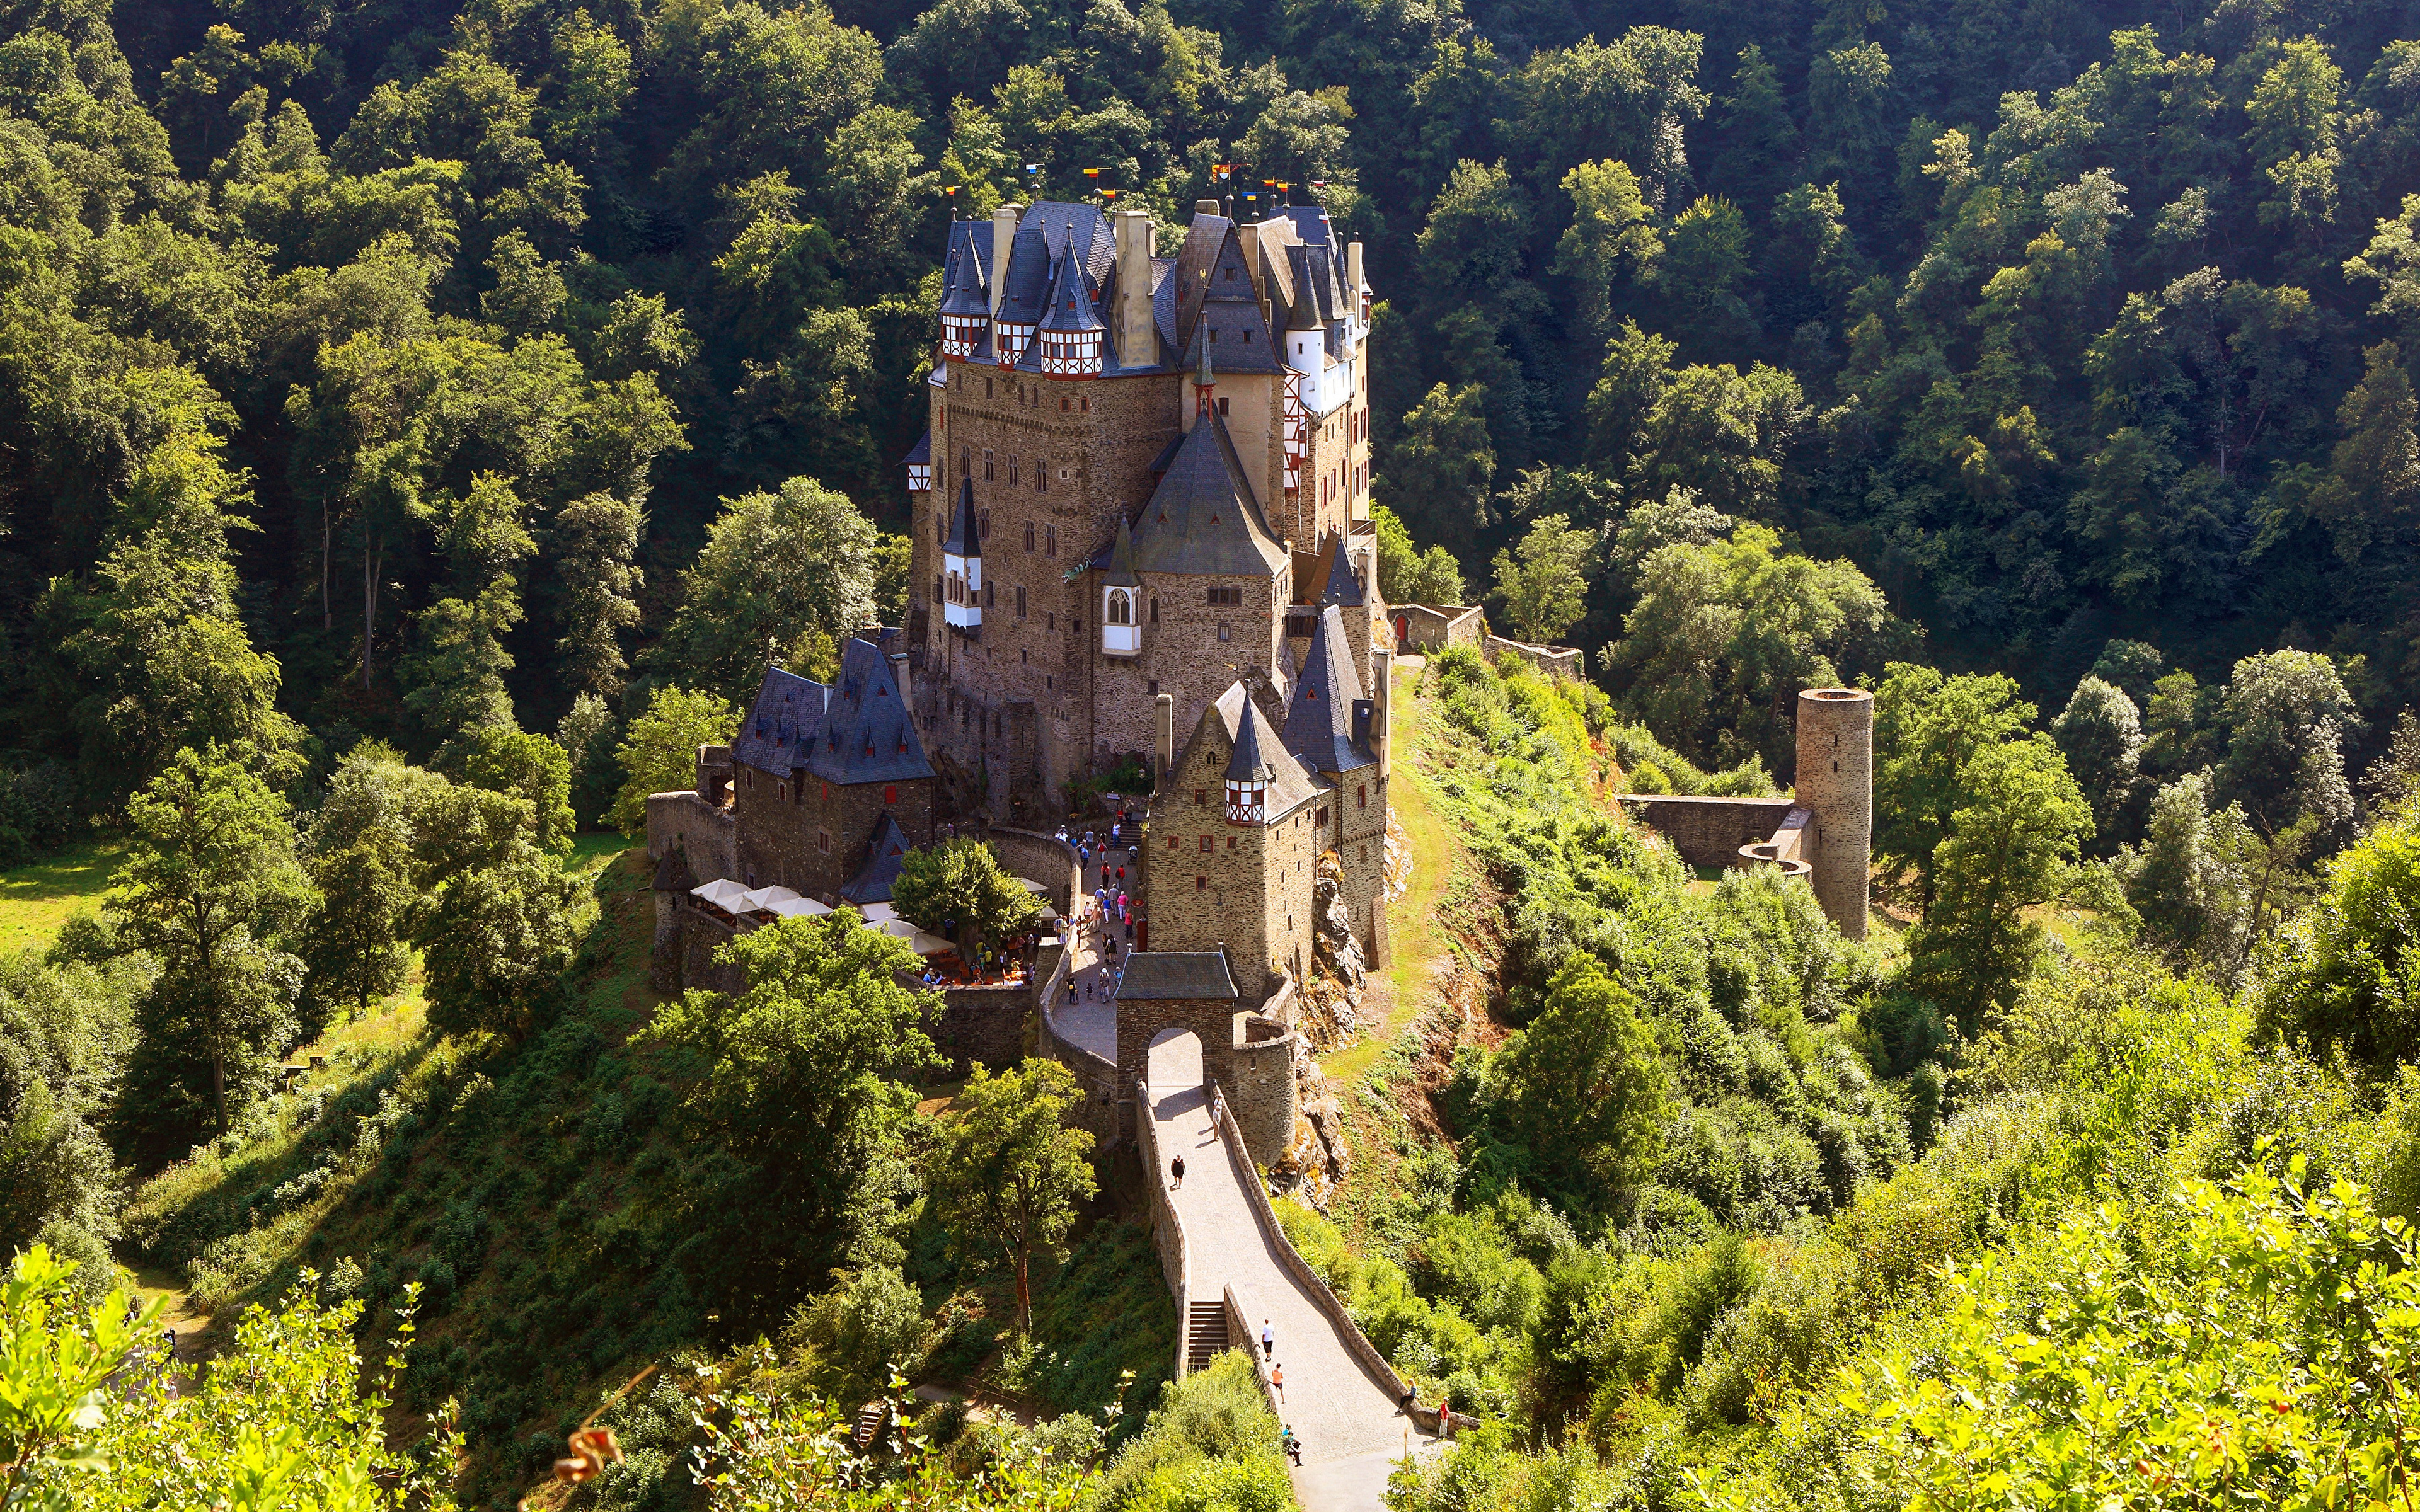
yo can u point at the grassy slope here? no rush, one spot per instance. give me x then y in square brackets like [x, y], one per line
[510, 1181]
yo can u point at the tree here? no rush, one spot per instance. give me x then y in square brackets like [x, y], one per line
[585, 732]
[1436, 478]
[778, 569]
[2010, 847]
[659, 752]
[796, 1088]
[2287, 714]
[353, 950]
[1613, 235]
[858, 1333]
[1927, 730]
[960, 884]
[1407, 574]
[2372, 489]
[533, 769]
[2101, 734]
[593, 539]
[1011, 1171]
[1725, 633]
[1583, 1085]
[212, 889]
[2190, 881]
[2348, 972]
[497, 941]
[1543, 583]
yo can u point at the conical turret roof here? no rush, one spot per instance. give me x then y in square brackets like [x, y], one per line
[1247, 764]
[965, 538]
[1071, 296]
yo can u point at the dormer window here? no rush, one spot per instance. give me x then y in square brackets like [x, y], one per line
[961, 333]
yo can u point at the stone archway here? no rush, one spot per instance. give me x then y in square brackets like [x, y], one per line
[1173, 1060]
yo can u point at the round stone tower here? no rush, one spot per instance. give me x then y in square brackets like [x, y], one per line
[1836, 786]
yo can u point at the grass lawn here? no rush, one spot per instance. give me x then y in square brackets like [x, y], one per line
[1412, 918]
[36, 899]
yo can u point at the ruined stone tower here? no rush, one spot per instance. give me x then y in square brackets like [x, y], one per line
[1836, 786]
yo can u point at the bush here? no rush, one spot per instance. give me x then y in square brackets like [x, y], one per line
[854, 1335]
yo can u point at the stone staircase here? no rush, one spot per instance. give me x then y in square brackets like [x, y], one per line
[1206, 1333]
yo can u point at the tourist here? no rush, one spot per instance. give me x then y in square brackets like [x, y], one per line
[1277, 1382]
[1292, 1445]
[1268, 1341]
[1176, 1174]
[1445, 1416]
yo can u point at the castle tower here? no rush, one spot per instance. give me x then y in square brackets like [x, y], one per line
[1232, 842]
[1836, 786]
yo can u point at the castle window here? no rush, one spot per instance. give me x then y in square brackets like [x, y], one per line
[1050, 622]
[1151, 687]
[1222, 403]
[1012, 477]
[957, 588]
[1361, 796]
[1021, 601]
[1223, 633]
[983, 523]
[991, 595]
[824, 788]
[1365, 855]
[1087, 405]
[1201, 884]
[1174, 843]
[1200, 797]
[823, 840]
[1231, 842]
[1066, 405]
[1155, 612]
[1029, 535]
[937, 588]
[1227, 596]
[1041, 476]
[1121, 606]
[1049, 532]
[1205, 845]
[781, 793]
[890, 794]
[1319, 820]
[987, 457]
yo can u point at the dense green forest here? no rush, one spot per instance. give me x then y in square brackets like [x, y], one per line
[422, 421]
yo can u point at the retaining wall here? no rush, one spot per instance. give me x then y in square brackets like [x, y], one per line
[709, 835]
[1045, 859]
[1546, 661]
[1166, 1229]
[1709, 831]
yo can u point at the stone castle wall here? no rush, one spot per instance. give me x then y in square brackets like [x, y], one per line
[709, 837]
[809, 835]
[1708, 831]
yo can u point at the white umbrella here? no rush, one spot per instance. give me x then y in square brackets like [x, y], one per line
[796, 907]
[1032, 886]
[765, 898]
[898, 929]
[877, 913]
[722, 893]
[923, 944]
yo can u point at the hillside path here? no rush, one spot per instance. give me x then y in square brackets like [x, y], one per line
[1351, 1429]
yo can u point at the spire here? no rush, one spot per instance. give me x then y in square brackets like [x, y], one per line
[1122, 555]
[1204, 381]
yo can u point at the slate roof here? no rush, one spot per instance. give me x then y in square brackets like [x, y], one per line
[1061, 223]
[883, 855]
[1121, 557]
[1311, 223]
[1070, 306]
[1290, 785]
[1246, 764]
[966, 538]
[1334, 575]
[1026, 285]
[966, 287]
[1328, 709]
[1157, 975]
[867, 734]
[922, 452]
[856, 730]
[781, 725]
[1203, 518]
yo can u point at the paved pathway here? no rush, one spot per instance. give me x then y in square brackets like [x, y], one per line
[1351, 1428]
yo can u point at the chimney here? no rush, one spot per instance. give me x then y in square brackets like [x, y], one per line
[1353, 277]
[1163, 737]
[1382, 720]
[900, 674]
[1207, 207]
[1138, 344]
[1003, 236]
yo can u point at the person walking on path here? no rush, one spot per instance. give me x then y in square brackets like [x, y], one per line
[1292, 1445]
[1268, 1341]
[1176, 1174]
[1277, 1382]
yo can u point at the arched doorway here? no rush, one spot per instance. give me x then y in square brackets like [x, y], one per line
[1175, 1060]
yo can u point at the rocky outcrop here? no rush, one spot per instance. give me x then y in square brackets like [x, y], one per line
[1316, 1158]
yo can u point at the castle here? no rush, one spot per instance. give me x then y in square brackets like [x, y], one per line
[1142, 546]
